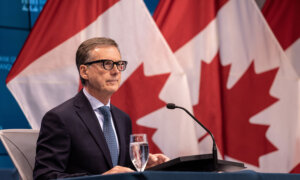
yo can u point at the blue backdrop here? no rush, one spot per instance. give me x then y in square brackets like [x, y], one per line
[17, 18]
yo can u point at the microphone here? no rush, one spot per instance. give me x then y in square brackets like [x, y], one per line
[214, 149]
[171, 106]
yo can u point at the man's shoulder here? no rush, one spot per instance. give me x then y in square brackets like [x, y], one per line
[70, 104]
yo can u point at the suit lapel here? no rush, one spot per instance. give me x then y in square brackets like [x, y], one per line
[87, 115]
[121, 135]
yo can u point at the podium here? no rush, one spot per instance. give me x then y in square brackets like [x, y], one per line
[199, 163]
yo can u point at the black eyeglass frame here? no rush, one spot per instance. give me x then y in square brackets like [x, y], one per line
[113, 63]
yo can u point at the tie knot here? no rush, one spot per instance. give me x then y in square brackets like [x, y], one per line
[105, 111]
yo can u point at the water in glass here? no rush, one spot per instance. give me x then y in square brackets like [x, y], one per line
[139, 151]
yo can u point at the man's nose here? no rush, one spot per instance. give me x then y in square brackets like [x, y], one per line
[114, 70]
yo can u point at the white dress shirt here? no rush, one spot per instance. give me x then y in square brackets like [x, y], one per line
[95, 103]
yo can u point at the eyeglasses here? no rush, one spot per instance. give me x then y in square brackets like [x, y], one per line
[109, 64]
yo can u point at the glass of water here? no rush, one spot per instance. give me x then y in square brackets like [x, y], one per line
[139, 151]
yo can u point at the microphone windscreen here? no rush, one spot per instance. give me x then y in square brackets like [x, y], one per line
[171, 106]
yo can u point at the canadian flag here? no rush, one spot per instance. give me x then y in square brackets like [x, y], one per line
[242, 86]
[284, 20]
[44, 74]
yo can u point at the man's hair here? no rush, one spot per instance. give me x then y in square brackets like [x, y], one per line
[82, 54]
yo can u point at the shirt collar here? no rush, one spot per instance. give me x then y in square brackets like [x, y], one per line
[95, 103]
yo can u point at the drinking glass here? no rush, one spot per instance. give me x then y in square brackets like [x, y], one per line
[139, 151]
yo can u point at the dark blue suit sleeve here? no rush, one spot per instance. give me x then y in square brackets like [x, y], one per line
[53, 149]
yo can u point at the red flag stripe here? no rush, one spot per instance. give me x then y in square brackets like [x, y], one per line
[284, 19]
[62, 28]
[184, 19]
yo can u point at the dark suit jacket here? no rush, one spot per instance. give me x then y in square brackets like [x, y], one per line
[71, 142]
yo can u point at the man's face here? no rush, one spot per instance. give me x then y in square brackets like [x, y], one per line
[98, 80]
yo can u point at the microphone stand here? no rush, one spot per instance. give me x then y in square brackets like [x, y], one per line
[204, 162]
[214, 149]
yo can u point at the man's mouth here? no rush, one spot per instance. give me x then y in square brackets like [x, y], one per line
[112, 81]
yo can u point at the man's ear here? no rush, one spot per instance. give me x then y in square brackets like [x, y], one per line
[83, 71]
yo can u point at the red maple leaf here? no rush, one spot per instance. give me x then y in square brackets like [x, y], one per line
[138, 96]
[296, 169]
[227, 112]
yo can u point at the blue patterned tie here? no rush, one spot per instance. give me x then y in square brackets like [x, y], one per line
[109, 135]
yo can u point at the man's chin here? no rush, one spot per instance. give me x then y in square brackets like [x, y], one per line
[112, 90]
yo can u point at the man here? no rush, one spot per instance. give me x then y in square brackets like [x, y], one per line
[86, 134]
